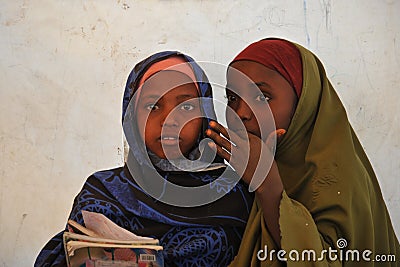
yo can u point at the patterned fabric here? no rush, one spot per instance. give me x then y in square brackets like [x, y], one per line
[200, 236]
[207, 235]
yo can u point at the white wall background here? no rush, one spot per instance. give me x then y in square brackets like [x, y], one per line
[63, 66]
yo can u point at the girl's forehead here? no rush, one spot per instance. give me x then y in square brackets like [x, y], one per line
[164, 81]
[243, 79]
[248, 69]
[169, 89]
[184, 91]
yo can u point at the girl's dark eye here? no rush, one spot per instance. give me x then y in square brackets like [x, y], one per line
[262, 98]
[231, 98]
[152, 107]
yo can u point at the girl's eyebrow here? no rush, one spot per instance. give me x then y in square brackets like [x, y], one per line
[230, 88]
[263, 84]
[150, 96]
[187, 96]
[157, 97]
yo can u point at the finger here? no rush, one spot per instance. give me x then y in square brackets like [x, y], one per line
[227, 133]
[237, 139]
[220, 140]
[270, 140]
[271, 137]
[220, 151]
[280, 133]
[233, 137]
[219, 128]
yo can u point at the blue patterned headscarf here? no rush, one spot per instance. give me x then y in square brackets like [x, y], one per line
[207, 235]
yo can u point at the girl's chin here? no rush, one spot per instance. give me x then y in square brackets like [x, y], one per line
[172, 155]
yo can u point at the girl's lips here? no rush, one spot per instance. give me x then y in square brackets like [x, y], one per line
[169, 140]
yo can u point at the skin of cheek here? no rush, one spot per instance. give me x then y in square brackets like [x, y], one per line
[153, 129]
[190, 133]
[260, 124]
[166, 106]
[282, 97]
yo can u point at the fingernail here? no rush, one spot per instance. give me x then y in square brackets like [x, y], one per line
[211, 144]
[212, 123]
[280, 132]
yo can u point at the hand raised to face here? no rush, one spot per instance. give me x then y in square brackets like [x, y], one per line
[245, 152]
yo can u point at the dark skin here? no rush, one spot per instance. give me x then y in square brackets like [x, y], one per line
[169, 114]
[244, 98]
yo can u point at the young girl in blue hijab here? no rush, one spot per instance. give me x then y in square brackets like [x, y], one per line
[167, 147]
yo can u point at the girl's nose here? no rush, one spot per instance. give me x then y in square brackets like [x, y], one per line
[243, 110]
[169, 118]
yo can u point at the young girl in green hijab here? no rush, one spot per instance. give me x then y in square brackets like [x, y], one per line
[320, 203]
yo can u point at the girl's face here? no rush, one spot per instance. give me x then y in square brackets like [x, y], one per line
[275, 90]
[163, 93]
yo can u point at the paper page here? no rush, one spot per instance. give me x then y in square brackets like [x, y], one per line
[105, 228]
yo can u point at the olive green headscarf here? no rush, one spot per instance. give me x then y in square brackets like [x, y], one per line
[331, 196]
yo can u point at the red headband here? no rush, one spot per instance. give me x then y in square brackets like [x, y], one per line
[279, 55]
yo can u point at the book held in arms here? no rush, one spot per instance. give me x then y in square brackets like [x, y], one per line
[102, 243]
